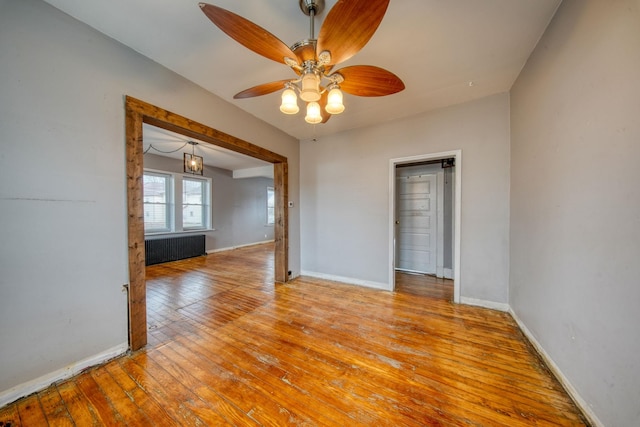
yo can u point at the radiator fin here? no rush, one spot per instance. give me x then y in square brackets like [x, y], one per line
[173, 248]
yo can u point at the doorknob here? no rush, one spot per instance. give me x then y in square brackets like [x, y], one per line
[397, 222]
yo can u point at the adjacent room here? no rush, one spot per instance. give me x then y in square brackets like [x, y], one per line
[225, 201]
[390, 212]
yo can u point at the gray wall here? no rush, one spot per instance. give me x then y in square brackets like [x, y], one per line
[345, 194]
[239, 206]
[63, 257]
[575, 202]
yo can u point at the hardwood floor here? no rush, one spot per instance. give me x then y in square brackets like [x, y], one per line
[227, 347]
[424, 286]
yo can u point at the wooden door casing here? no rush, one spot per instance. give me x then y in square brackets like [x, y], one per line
[138, 112]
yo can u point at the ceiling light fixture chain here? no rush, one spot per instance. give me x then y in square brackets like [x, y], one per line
[151, 147]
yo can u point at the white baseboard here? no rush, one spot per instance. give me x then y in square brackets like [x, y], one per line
[573, 393]
[500, 306]
[346, 280]
[230, 248]
[68, 371]
[580, 402]
[448, 273]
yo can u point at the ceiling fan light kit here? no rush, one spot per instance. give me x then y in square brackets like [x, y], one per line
[289, 101]
[310, 91]
[313, 113]
[334, 100]
[347, 28]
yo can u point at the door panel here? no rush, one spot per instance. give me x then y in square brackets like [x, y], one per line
[416, 236]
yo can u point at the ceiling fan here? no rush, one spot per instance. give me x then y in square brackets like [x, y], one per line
[347, 28]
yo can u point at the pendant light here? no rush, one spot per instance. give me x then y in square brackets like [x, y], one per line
[193, 164]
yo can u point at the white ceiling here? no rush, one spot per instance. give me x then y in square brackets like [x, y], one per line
[445, 51]
[165, 143]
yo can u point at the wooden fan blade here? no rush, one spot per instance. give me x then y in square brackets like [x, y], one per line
[367, 80]
[348, 27]
[248, 34]
[262, 89]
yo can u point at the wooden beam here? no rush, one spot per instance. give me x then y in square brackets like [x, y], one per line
[164, 119]
[135, 212]
[281, 187]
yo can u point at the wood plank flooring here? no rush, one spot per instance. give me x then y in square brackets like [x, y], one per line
[227, 347]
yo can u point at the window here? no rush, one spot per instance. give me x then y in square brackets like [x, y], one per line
[271, 206]
[157, 202]
[194, 203]
[169, 210]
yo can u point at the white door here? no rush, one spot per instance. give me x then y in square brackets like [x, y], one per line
[416, 222]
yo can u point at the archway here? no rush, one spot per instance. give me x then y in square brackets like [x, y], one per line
[138, 112]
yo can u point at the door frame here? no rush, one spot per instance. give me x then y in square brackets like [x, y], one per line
[138, 112]
[457, 208]
[440, 224]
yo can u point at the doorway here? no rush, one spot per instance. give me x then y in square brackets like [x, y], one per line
[418, 217]
[138, 112]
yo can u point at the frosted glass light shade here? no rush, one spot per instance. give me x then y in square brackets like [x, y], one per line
[289, 102]
[310, 87]
[313, 113]
[334, 102]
